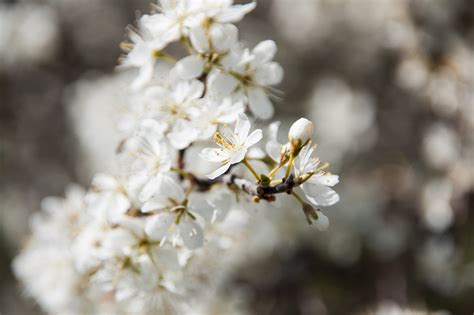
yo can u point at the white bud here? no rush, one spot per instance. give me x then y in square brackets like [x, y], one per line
[302, 130]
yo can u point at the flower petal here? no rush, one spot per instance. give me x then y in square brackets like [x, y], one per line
[320, 195]
[192, 234]
[234, 13]
[264, 51]
[105, 182]
[221, 170]
[253, 138]
[199, 39]
[326, 180]
[273, 149]
[259, 103]
[158, 225]
[152, 187]
[190, 67]
[322, 223]
[221, 84]
[223, 36]
[213, 155]
[242, 128]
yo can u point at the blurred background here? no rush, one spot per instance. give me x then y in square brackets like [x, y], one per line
[389, 85]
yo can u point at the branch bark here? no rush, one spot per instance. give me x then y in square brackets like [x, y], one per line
[267, 192]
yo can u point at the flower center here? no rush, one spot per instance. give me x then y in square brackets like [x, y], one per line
[224, 142]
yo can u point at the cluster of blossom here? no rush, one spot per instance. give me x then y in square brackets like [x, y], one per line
[133, 243]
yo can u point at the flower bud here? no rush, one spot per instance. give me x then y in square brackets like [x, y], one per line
[300, 132]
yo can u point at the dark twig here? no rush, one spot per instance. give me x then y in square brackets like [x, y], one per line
[252, 188]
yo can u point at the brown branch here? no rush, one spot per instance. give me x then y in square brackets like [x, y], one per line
[254, 189]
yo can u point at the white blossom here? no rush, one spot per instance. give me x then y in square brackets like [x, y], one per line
[233, 146]
[317, 187]
[152, 232]
[109, 199]
[249, 75]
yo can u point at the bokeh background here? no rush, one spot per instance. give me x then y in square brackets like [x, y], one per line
[389, 85]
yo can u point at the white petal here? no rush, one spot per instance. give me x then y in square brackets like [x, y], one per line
[152, 187]
[234, 13]
[192, 234]
[221, 170]
[322, 223]
[221, 84]
[213, 154]
[265, 51]
[182, 134]
[190, 67]
[171, 189]
[256, 153]
[238, 156]
[327, 180]
[259, 103]
[199, 39]
[223, 36]
[104, 182]
[231, 113]
[153, 204]
[158, 225]
[144, 75]
[242, 128]
[269, 74]
[196, 88]
[222, 203]
[118, 207]
[253, 138]
[198, 204]
[320, 195]
[273, 129]
[273, 149]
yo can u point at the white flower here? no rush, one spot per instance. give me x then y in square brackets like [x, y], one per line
[176, 218]
[108, 199]
[248, 75]
[317, 188]
[211, 112]
[233, 146]
[172, 107]
[301, 131]
[211, 44]
[143, 54]
[147, 157]
[177, 17]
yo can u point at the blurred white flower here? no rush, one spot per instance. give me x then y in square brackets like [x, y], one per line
[248, 75]
[441, 147]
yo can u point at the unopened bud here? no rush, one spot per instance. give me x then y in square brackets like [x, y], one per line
[300, 132]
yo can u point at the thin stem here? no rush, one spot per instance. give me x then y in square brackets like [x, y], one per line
[274, 170]
[251, 169]
[290, 165]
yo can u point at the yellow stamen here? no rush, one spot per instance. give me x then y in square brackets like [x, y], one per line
[224, 142]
